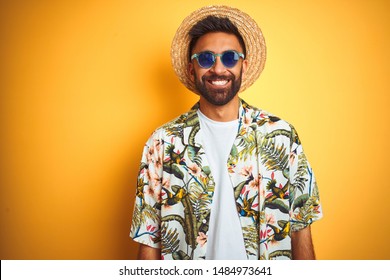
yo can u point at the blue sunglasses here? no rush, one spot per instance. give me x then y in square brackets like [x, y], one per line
[207, 59]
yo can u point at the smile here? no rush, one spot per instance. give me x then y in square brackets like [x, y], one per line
[218, 82]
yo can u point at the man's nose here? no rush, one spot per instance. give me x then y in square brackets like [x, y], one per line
[218, 67]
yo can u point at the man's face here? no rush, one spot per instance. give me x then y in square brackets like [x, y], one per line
[218, 85]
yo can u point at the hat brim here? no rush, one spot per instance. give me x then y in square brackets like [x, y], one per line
[249, 30]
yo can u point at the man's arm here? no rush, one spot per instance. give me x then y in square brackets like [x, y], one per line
[302, 245]
[148, 253]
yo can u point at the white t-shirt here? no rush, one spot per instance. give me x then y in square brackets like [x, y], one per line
[225, 240]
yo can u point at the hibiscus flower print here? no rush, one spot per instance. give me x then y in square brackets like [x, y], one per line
[270, 219]
[255, 183]
[246, 171]
[194, 169]
[201, 239]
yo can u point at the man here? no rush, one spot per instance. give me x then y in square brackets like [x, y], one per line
[225, 180]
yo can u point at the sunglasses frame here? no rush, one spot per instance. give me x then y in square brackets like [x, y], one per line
[215, 57]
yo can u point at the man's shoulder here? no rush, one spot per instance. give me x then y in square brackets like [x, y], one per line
[262, 117]
[180, 122]
[184, 119]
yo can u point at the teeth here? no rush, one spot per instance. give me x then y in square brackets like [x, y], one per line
[219, 82]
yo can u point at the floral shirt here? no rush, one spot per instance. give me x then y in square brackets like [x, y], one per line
[274, 187]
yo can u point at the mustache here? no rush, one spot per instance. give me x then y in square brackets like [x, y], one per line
[218, 77]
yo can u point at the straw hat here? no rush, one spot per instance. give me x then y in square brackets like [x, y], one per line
[249, 30]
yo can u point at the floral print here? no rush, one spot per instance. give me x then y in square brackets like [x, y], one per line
[274, 187]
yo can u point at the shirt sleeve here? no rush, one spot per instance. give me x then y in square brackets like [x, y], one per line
[146, 219]
[305, 206]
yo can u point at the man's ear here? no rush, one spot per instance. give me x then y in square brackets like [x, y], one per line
[191, 70]
[244, 67]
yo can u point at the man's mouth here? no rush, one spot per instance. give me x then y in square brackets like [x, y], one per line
[218, 82]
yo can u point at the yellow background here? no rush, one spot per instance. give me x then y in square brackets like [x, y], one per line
[84, 83]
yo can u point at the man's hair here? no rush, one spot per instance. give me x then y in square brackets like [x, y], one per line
[212, 24]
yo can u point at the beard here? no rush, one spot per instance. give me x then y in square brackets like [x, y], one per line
[218, 97]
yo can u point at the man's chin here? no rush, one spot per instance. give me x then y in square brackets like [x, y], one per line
[218, 99]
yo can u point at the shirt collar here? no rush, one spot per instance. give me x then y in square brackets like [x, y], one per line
[241, 111]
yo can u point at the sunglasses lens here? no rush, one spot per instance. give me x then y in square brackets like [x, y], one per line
[206, 59]
[230, 58]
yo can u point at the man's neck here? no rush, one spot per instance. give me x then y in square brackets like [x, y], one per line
[224, 113]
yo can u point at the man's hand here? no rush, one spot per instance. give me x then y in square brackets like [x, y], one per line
[148, 253]
[302, 245]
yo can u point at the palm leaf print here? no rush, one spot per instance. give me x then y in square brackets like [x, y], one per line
[180, 255]
[238, 189]
[176, 218]
[142, 214]
[148, 213]
[277, 204]
[176, 131]
[251, 237]
[300, 201]
[199, 200]
[191, 138]
[278, 132]
[249, 142]
[280, 253]
[294, 136]
[300, 178]
[169, 240]
[190, 228]
[307, 213]
[272, 156]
